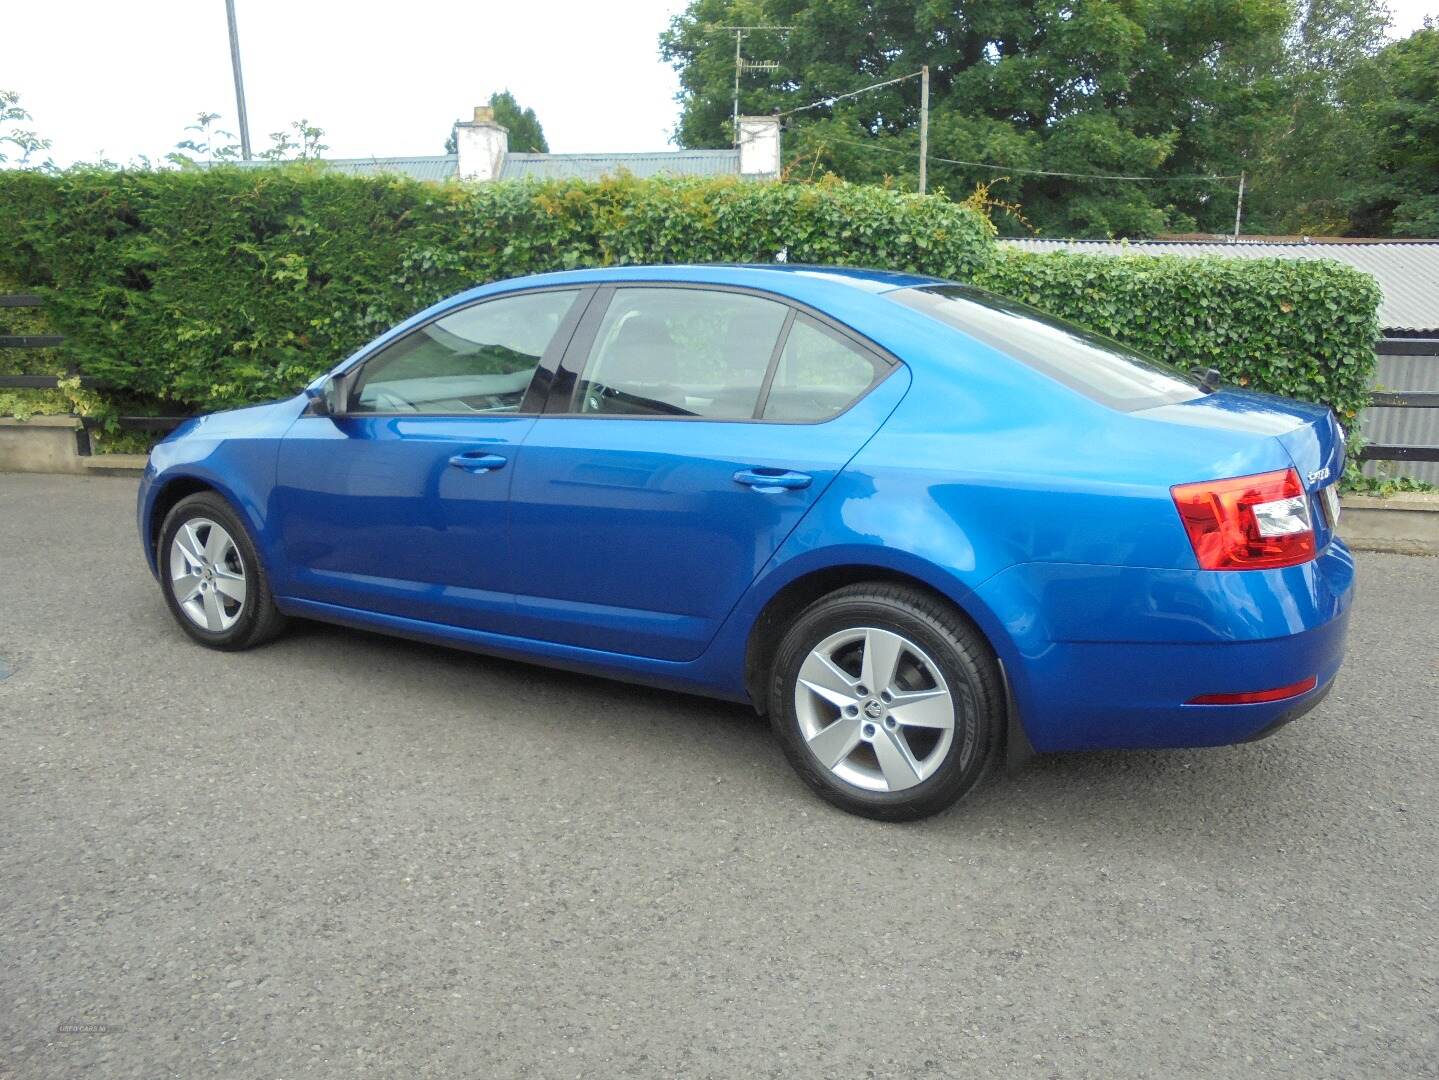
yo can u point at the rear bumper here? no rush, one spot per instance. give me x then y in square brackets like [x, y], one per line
[1306, 705]
[1109, 658]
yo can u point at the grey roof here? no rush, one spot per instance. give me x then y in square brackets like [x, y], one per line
[548, 166]
[436, 167]
[594, 166]
[1407, 270]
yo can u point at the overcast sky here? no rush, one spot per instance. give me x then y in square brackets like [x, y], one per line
[121, 79]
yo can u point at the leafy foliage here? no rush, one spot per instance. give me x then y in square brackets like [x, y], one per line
[19, 141]
[526, 136]
[1303, 329]
[1169, 89]
[226, 286]
[1398, 100]
[210, 144]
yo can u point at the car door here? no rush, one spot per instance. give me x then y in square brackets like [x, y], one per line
[688, 432]
[398, 504]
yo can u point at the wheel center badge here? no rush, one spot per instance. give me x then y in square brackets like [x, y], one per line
[873, 709]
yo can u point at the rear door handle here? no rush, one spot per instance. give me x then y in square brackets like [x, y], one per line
[478, 461]
[772, 481]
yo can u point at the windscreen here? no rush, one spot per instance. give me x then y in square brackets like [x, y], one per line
[1096, 366]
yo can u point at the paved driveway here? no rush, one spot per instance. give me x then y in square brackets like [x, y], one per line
[343, 855]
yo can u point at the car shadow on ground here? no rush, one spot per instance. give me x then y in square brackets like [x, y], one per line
[1195, 793]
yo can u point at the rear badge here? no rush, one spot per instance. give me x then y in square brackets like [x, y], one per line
[1319, 474]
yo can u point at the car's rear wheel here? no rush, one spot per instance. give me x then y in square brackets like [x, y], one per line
[887, 702]
[211, 576]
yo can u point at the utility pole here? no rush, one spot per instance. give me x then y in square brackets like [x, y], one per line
[239, 81]
[738, 67]
[1239, 206]
[923, 128]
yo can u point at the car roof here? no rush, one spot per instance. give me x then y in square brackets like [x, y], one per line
[788, 279]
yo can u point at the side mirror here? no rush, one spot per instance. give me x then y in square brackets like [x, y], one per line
[325, 399]
[319, 405]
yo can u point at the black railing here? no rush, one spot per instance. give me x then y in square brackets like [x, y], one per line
[1409, 399]
[52, 382]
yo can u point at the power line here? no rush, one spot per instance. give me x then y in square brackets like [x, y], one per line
[1029, 172]
[826, 101]
[853, 93]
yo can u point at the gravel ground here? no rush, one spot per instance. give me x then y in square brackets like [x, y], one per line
[344, 855]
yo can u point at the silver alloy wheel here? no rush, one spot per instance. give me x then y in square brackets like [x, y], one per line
[207, 574]
[874, 709]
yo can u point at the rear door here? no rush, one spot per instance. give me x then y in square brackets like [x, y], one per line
[400, 505]
[689, 431]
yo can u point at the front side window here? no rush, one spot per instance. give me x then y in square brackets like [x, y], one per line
[680, 352]
[819, 375]
[478, 360]
[1096, 366]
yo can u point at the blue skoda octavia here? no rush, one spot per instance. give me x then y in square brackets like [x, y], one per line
[919, 526]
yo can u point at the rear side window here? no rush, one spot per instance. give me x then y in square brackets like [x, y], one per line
[680, 352]
[819, 374]
[1096, 366]
[478, 360]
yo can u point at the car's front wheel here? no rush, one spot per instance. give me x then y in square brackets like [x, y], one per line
[212, 577]
[887, 702]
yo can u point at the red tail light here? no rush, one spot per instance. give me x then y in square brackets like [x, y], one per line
[1247, 522]
[1249, 697]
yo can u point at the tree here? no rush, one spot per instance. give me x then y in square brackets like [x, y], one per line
[26, 142]
[1167, 89]
[1396, 104]
[209, 143]
[282, 147]
[1301, 154]
[526, 136]
[212, 144]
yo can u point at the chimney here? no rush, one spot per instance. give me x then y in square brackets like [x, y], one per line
[759, 147]
[482, 146]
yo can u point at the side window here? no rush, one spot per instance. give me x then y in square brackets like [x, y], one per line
[680, 352]
[478, 360]
[819, 374]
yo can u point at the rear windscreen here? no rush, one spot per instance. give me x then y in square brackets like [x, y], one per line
[1095, 366]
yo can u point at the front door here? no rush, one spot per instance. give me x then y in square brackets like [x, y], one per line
[701, 425]
[399, 504]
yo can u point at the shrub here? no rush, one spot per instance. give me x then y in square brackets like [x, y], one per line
[225, 286]
[1302, 329]
[218, 287]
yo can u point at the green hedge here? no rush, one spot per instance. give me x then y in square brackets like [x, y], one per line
[220, 287]
[1302, 329]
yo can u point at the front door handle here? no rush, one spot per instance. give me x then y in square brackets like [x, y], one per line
[772, 481]
[478, 461]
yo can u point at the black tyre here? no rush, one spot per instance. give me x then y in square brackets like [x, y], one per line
[211, 576]
[888, 703]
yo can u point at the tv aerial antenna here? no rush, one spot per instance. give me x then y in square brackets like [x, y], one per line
[743, 66]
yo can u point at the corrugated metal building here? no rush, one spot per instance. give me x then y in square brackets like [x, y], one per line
[1408, 275]
[595, 166]
[440, 167]
[434, 167]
